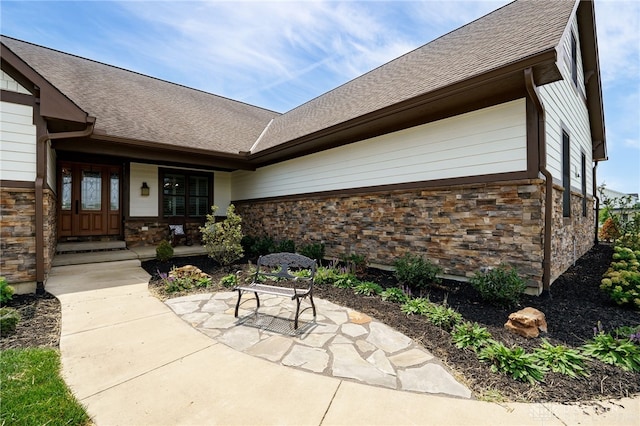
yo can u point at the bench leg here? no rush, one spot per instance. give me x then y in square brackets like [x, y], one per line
[313, 305]
[295, 324]
[238, 303]
[257, 299]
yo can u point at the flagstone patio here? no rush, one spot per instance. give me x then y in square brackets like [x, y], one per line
[340, 342]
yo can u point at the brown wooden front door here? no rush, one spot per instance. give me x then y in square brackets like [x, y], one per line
[89, 199]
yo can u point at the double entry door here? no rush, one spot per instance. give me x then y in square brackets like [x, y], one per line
[89, 199]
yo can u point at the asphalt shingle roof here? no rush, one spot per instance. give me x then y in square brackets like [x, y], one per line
[134, 106]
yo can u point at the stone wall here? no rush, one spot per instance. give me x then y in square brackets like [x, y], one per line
[17, 235]
[156, 232]
[461, 228]
[50, 229]
[571, 236]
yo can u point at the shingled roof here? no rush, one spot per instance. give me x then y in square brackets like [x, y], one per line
[133, 106]
[519, 30]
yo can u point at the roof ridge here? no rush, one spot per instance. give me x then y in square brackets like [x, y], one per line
[134, 72]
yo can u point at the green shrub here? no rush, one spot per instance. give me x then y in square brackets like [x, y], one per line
[619, 352]
[394, 294]
[622, 280]
[367, 288]
[285, 246]
[164, 251]
[501, 285]
[6, 291]
[325, 275]
[229, 281]
[416, 272]
[313, 251]
[416, 306]
[514, 362]
[345, 281]
[222, 239]
[443, 316]
[470, 335]
[9, 318]
[561, 359]
[628, 332]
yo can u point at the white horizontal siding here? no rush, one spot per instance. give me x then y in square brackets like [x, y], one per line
[222, 192]
[140, 206]
[565, 106]
[18, 142]
[491, 140]
[8, 83]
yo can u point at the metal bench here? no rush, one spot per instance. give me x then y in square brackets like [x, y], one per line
[280, 269]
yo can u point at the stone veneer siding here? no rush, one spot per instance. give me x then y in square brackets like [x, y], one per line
[158, 231]
[571, 236]
[461, 228]
[18, 236]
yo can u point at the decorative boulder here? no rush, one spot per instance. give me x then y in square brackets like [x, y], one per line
[187, 271]
[527, 322]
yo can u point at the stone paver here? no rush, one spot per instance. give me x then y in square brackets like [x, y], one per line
[340, 343]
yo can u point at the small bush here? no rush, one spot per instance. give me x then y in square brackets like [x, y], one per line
[367, 288]
[164, 251]
[285, 246]
[514, 362]
[325, 275]
[6, 291]
[501, 285]
[470, 335]
[443, 316]
[416, 272]
[627, 332]
[356, 263]
[619, 352]
[9, 318]
[229, 281]
[313, 251]
[622, 280]
[417, 306]
[222, 239]
[610, 230]
[561, 359]
[345, 281]
[394, 294]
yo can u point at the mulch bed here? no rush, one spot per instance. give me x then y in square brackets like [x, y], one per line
[575, 306]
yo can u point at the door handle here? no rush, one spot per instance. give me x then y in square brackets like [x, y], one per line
[77, 203]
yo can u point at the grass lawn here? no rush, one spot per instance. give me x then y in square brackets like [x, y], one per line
[32, 391]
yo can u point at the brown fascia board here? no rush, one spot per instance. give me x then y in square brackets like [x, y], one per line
[53, 103]
[494, 87]
[591, 65]
[146, 151]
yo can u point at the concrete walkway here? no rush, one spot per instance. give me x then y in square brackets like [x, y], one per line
[132, 361]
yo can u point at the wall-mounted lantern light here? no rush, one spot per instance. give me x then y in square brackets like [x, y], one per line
[144, 190]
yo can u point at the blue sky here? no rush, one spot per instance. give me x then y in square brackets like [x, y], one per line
[278, 55]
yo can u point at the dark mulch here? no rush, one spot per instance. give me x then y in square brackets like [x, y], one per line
[573, 309]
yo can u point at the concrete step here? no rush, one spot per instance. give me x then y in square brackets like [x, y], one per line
[65, 259]
[90, 246]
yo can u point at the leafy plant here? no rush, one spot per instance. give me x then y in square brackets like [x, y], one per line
[443, 316]
[9, 318]
[631, 333]
[313, 251]
[394, 294]
[367, 288]
[515, 362]
[470, 335]
[622, 280]
[416, 306]
[501, 285]
[561, 359]
[179, 281]
[416, 272]
[285, 246]
[229, 281]
[6, 291]
[325, 275]
[164, 251]
[620, 352]
[356, 263]
[345, 281]
[222, 239]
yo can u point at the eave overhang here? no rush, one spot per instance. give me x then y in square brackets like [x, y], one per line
[494, 87]
[54, 105]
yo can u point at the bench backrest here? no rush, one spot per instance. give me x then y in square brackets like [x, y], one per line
[286, 262]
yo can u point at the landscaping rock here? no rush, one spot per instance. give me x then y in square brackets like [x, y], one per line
[527, 322]
[188, 271]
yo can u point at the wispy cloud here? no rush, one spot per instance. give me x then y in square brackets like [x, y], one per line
[618, 25]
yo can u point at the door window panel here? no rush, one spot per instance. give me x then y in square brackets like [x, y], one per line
[66, 189]
[114, 199]
[91, 188]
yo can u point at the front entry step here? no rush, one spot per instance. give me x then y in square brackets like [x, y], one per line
[80, 253]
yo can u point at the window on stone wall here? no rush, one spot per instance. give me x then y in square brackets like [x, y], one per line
[566, 175]
[185, 194]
